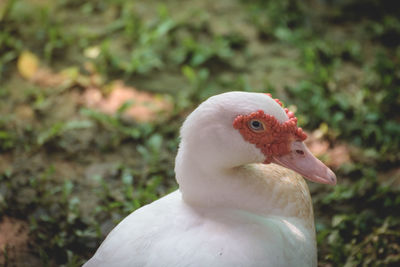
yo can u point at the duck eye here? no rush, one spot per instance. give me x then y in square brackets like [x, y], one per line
[256, 125]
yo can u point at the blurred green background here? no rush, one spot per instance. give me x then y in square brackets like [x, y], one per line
[92, 95]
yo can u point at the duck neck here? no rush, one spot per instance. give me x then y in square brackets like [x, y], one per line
[266, 190]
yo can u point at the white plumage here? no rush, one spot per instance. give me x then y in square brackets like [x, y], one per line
[230, 209]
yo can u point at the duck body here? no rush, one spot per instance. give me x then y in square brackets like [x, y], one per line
[188, 235]
[231, 208]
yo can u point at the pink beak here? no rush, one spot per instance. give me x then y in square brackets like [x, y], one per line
[302, 161]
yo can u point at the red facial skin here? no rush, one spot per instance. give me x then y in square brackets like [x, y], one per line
[275, 138]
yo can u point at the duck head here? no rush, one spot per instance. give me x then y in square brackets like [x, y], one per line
[238, 128]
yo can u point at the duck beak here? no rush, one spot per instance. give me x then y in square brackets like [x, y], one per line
[302, 161]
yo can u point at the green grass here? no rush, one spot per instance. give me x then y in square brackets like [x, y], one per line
[72, 172]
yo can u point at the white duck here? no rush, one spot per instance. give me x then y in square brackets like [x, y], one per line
[232, 207]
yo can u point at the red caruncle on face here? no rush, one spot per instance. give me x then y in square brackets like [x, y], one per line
[272, 137]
